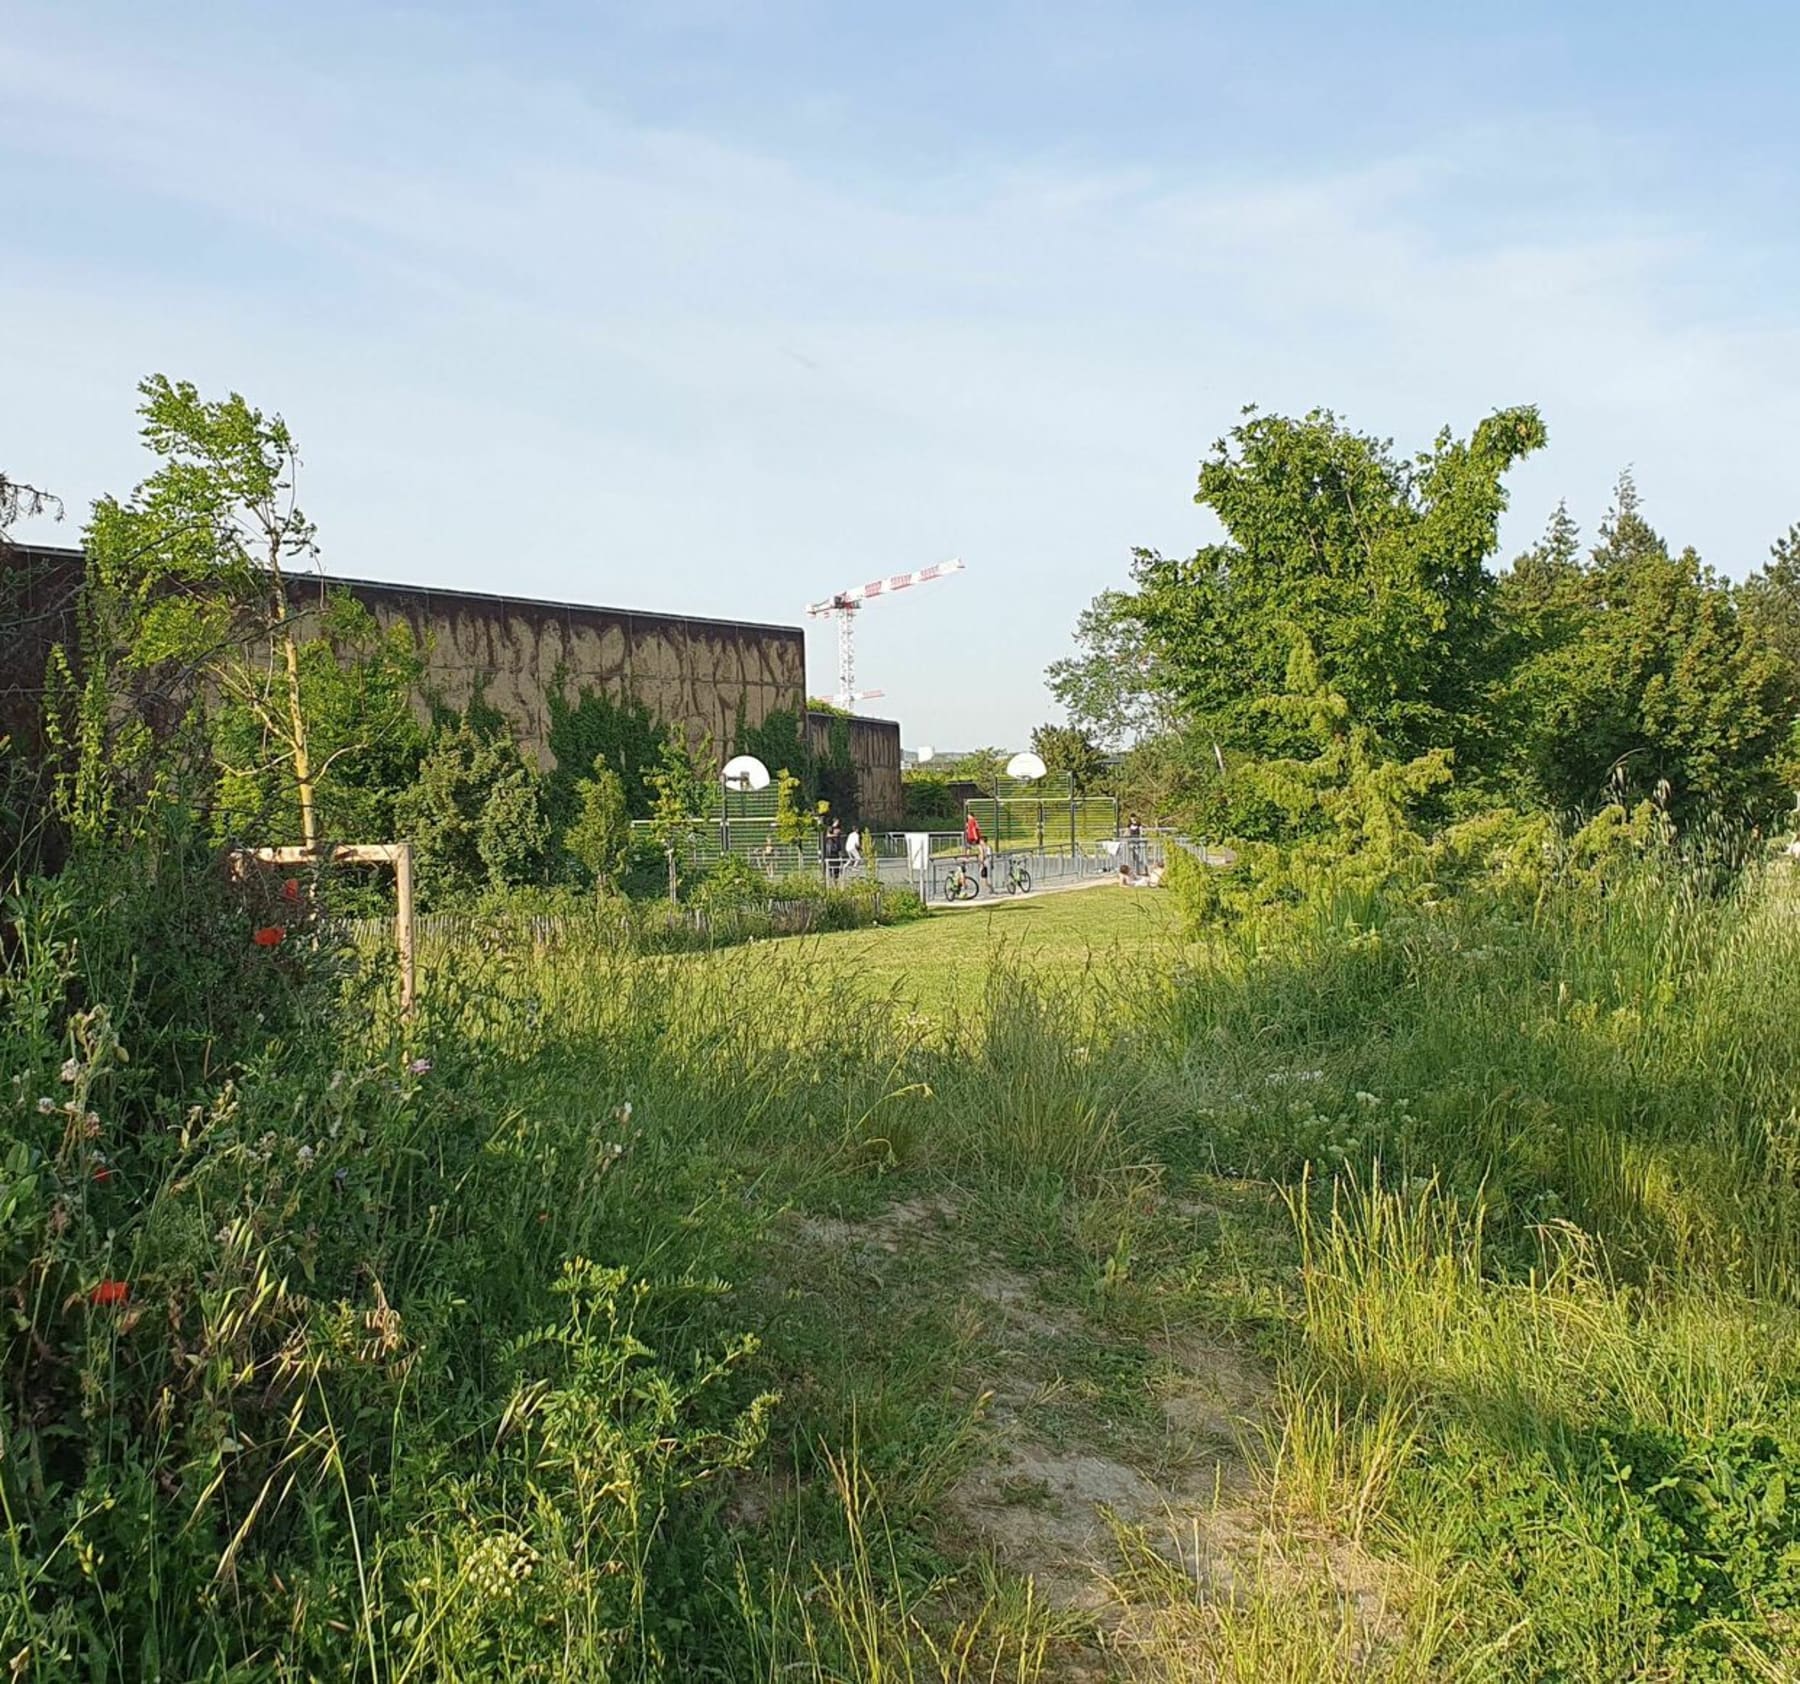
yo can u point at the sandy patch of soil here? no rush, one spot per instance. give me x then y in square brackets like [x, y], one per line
[1108, 1525]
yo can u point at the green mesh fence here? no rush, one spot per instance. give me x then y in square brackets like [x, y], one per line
[741, 822]
[1044, 812]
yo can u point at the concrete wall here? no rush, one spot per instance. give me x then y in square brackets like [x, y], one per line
[38, 589]
[695, 672]
[875, 753]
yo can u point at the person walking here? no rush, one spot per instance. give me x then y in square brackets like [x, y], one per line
[831, 850]
[1134, 837]
[853, 851]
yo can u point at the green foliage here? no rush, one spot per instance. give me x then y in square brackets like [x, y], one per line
[357, 683]
[779, 742]
[732, 882]
[188, 581]
[927, 801]
[681, 793]
[1344, 819]
[1113, 688]
[1769, 606]
[796, 818]
[834, 784]
[983, 767]
[1377, 562]
[600, 1438]
[1637, 676]
[474, 818]
[596, 726]
[1063, 748]
[599, 837]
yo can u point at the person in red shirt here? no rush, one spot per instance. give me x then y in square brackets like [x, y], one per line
[971, 832]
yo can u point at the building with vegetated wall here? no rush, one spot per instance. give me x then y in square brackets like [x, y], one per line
[708, 676]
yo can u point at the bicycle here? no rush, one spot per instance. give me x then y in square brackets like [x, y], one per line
[961, 883]
[1018, 879]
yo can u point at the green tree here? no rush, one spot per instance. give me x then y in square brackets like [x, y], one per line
[1769, 602]
[1062, 748]
[796, 818]
[1637, 677]
[357, 684]
[195, 566]
[599, 838]
[1376, 561]
[983, 767]
[474, 817]
[1113, 687]
[926, 800]
[679, 796]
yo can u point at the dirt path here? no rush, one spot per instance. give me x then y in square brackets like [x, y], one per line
[1122, 1510]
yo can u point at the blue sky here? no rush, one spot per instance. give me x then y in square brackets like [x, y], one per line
[716, 307]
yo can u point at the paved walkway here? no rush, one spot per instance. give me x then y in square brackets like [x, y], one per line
[988, 899]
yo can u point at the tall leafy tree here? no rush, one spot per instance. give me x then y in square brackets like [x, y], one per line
[1062, 748]
[1112, 687]
[1637, 676]
[1769, 602]
[680, 793]
[1377, 562]
[599, 838]
[197, 564]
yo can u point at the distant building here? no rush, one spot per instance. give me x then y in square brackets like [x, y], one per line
[707, 676]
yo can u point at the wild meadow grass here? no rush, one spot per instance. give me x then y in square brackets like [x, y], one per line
[482, 1347]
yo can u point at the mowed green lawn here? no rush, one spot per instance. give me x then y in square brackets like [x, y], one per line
[944, 959]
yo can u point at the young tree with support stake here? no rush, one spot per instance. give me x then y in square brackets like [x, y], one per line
[189, 580]
[678, 800]
[198, 561]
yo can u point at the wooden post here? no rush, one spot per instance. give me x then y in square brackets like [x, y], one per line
[404, 927]
[397, 854]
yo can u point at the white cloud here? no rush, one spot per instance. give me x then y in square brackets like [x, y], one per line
[523, 339]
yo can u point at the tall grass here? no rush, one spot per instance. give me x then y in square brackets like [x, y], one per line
[347, 1347]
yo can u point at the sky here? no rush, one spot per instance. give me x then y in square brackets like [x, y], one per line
[715, 308]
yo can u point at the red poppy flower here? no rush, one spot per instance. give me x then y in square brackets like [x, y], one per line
[111, 1292]
[102, 1173]
[270, 935]
[290, 890]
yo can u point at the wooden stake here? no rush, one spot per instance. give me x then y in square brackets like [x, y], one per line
[403, 927]
[397, 854]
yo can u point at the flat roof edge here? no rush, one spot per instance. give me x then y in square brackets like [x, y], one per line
[329, 580]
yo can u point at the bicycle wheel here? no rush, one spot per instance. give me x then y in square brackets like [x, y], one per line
[971, 887]
[1020, 882]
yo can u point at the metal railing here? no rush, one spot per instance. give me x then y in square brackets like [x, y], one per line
[1048, 867]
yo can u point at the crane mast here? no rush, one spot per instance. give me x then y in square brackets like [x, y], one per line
[845, 605]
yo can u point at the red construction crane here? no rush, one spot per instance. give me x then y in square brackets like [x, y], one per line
[845, 606]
